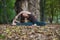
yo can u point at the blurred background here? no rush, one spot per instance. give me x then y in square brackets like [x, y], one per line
[46, 10]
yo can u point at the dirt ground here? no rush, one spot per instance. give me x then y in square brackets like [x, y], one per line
[47, 32]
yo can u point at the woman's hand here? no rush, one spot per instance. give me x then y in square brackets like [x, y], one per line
[14, 22]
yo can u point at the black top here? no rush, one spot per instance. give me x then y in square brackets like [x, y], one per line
[31, 18]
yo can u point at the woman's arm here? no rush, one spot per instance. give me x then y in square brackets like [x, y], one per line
[15, 19]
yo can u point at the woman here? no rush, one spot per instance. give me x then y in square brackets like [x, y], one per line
[30, 19]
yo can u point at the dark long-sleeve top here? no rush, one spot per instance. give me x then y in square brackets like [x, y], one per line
[31, 18]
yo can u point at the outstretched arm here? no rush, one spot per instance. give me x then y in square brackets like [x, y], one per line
[15, 19]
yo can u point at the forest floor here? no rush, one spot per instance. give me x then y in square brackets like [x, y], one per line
[47, 32]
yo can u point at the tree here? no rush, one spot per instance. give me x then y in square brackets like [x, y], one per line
[51, 6]
[42, 8]
[28, 5]
[7, 12]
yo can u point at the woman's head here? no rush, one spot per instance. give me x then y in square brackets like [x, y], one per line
[23, 17]
[25, 13]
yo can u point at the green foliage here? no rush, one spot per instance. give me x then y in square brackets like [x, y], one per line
[7, 11]
[2, 36]
[52, 8]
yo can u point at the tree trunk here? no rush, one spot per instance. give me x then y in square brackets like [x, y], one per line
[28, 5]
[18, 5]
[34, 7]
[42, 4]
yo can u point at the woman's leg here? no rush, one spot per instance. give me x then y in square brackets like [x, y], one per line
[30, 23]
[40, 23]
[26, 24]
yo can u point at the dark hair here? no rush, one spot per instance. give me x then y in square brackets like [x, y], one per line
[22, 18]
[31, 18]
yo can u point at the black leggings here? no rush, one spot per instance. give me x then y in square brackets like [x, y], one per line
[30, 23]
